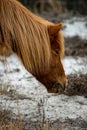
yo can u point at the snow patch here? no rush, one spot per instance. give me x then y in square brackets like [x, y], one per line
[74, 27]
[77, 65]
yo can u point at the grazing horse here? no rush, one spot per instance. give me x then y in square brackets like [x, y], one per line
[37, 42]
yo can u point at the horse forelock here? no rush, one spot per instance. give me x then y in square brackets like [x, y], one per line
[60, 42]
[26, 34]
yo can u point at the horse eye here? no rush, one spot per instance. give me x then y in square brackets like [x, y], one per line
[57, 52]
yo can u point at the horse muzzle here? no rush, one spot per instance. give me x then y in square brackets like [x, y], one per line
[58, 88]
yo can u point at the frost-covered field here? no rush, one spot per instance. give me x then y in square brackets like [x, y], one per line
[75, 26]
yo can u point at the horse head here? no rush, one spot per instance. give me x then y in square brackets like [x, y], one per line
[55, 79]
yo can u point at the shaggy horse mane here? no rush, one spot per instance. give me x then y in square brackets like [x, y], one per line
[27, 35]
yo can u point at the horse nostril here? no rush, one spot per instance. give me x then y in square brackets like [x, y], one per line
[59, 88]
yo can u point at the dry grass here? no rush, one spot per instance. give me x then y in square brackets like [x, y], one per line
[6, 121]
[17, 126]
[10, 126]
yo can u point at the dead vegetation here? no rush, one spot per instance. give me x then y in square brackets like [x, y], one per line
[75, 46]
[77, 85]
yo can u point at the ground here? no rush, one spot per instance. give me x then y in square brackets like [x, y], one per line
[23, 98]
[77, 48]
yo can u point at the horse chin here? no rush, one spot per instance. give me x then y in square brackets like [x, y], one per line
[56, 88]
[59, 88]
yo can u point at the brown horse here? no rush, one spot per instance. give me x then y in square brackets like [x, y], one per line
[37, 42]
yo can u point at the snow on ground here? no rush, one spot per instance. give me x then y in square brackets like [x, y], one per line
[14, 74]
[32, 94]
[75, 26]
[52, 106]
[75, 65]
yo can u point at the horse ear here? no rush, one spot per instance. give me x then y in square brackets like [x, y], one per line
[53, 29]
